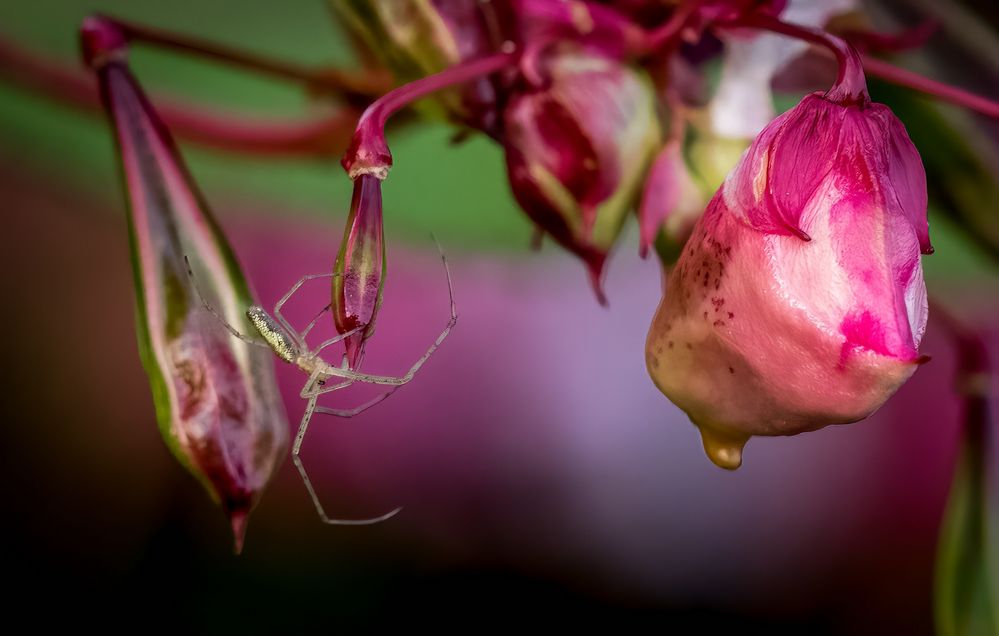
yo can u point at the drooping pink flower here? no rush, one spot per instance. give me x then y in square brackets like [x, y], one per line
[799, 300]
[578, 148]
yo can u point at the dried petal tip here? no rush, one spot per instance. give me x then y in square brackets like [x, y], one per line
[238, 519]
[360, 267]
[100, 41]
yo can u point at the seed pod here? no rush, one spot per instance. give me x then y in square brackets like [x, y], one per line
[216, 400]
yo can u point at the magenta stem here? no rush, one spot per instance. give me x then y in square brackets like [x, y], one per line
[368, 152]
[395, 100]
[952, 94]
[851, 85]
[849, 60]
[353, 85]
[661, 36]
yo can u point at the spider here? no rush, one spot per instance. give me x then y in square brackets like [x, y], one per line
[291, 346]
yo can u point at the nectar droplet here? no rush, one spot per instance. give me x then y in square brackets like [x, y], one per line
[723, 449]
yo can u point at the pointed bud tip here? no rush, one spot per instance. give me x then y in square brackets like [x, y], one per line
[596, 270]
[354, 350]
[923, 359]
[238, 519]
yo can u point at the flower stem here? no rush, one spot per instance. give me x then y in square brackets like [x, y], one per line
[659, 37]
[849, 59]
[323, 133]
[350, 84]
[368, 152]
[952, 94]
[850, 86]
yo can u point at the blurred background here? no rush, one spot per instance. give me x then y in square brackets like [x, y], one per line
[542, 473]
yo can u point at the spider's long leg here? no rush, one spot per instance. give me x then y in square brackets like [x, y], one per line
[357, 410]
[336, 339]
[287, 297]
[390, 380]
[310, 408]
[204, 303]
[312, 323]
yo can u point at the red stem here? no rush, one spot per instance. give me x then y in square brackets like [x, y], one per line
[324, 134]
[353, 85]
[368, 152]
[393, 101]
[913, 38]
[661, 36]
[850, 86]
[952, 94]
[848, 59]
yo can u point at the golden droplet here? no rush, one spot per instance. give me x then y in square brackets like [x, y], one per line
[723, 449]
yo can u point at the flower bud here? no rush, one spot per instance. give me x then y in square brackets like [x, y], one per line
[216, 400]
[359, 270]
[577, 150]
[671, 202]
[799, 300]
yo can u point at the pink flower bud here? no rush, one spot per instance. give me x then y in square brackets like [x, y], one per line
[216, 400]
[799, 300]
[578, 148]
[359, 271]
[671, 201]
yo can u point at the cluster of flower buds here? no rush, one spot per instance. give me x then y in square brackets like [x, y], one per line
[578, 121]
[590, 107]
[795, 297]
[798, 300]
[216, 399]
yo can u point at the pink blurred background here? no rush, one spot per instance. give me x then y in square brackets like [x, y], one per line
[536, 461]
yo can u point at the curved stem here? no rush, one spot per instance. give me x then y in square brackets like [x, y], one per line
[912, 38]
[850, 86]
[393, 101]
[368, 152]
[351, 84]
[952, 94]
[321, 134]
[661, 36]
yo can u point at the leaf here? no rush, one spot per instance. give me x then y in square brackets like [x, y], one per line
[967, 576]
